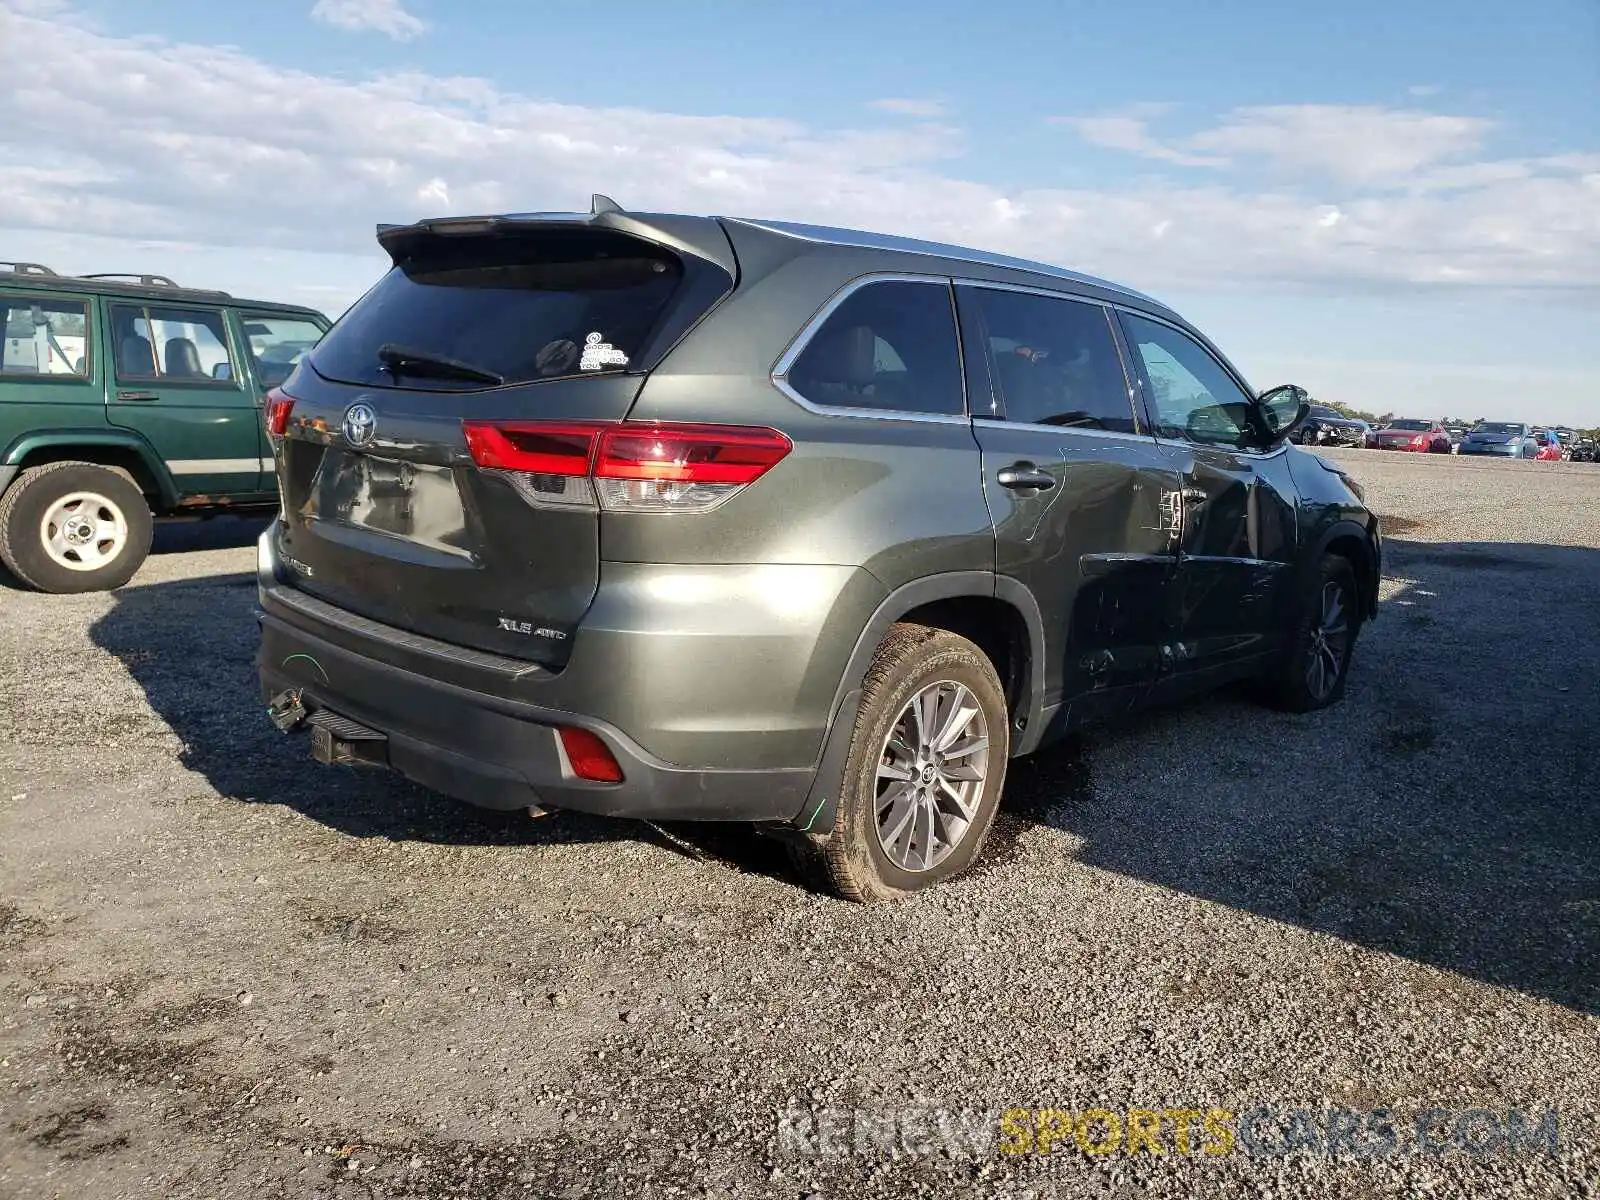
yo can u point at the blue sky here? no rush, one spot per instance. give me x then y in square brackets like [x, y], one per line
[1396, 205]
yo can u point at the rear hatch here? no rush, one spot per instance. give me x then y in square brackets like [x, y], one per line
[386, 513]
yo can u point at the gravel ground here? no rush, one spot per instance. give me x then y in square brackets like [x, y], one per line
[226, 972]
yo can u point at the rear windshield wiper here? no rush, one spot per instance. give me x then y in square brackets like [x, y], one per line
[421, 364]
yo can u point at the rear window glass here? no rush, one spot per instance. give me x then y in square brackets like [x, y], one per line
[1497, 427]
[1410, 424]
[1053, 361]
[276, 344]
[43, 337]
[889, 346]
[518, 307]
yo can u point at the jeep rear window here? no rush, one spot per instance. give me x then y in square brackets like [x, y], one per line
[525, 307]
[43, 337]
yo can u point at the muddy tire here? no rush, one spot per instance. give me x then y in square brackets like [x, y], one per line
[74, 527]
[926, 767]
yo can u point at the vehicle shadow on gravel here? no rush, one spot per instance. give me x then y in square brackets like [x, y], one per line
[208, 533]
[1446, 812]
[190, 646]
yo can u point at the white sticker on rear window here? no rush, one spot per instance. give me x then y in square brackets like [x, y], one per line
[599, 353]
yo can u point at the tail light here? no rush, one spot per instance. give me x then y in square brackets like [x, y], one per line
[588, 756]
[626, 467]
[279, 404]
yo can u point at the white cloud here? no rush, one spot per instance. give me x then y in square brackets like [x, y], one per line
[1349, 144]
[139, 139]
[1125, 131]
[926, 109]
[375, 16]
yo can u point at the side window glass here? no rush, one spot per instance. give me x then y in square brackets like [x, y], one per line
[1193, 397]
[44, 337]
[1054, 362]
[889, 345]
[175, 345]
[276, 344]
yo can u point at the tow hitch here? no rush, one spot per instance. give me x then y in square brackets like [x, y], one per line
[337, 740]
[286, 711]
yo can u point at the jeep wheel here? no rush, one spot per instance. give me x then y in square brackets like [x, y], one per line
[926, 765]
[1314, 672]
[74, 527]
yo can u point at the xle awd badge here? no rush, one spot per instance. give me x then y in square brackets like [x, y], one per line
[525, 628]
[360, 424]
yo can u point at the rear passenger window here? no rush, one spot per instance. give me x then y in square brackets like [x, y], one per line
[1052, 361]
[177, 345]
[890, 346]
[276, 345]
[44, 337]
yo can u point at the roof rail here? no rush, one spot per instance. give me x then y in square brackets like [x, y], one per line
[24, 268]
[145, 280]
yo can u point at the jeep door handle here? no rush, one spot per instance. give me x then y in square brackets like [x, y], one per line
[137, 396]
[1024, 476]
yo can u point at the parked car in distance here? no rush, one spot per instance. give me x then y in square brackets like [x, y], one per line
[1585, 450]
[689, 517]
[1509, 439]
[1411, 433]
[1550, 448]
[123, 399]
[1457, 432]
[1330, 427]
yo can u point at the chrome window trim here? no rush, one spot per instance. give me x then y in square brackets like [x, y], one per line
[1141, 437]
[797, 347]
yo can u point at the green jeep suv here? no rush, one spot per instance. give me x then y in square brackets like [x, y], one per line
[124, 398]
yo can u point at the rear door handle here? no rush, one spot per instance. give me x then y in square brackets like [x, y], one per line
[137, 396]
[1024, 476]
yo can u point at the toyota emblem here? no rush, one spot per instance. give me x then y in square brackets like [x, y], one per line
[360, 424]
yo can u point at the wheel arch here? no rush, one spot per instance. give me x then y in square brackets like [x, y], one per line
[106, 448]
[998, 614]
[1351, 541]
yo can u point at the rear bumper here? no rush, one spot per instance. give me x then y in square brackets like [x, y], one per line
[713, 688]
[506, 754]
[1497, 451]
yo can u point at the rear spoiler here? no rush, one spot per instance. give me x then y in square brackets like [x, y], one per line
[702, 237]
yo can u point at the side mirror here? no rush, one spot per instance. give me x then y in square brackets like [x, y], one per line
[1283, 410]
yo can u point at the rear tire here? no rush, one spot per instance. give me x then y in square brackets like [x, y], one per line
[74, 527]
[926, 767]
[1314, 671]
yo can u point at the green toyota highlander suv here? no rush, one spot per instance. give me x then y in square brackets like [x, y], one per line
[124, 398]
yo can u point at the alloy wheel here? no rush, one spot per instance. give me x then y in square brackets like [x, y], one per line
[930, 776]
[1330, 641]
